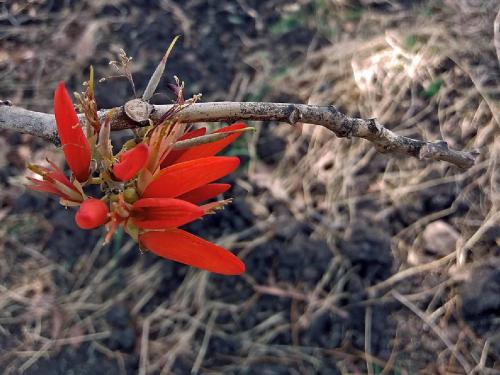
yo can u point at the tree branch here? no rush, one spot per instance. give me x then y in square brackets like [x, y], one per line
[385, 140]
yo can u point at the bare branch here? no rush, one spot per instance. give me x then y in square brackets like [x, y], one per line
[385, 140]
[29, 122]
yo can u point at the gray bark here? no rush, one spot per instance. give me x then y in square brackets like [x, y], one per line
[385, 140]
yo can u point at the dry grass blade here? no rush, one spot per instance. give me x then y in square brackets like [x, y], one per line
[440, 333]
[326, 226]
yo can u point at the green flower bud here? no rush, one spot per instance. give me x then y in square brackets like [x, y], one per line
[130, 195]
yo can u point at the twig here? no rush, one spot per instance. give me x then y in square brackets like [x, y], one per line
[480, 367]
[409, 272]
[34, 358]
[43, 125]
[143, 359]
[368, 339]
[204, 344]
[444, 338]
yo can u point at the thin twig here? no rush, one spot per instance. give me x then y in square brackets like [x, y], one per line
[204, 344]
[438, 331]
[368, 339]
[385, 140]
[143, 359]
[409, 272]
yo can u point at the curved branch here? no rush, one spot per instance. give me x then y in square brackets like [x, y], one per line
[385, 140]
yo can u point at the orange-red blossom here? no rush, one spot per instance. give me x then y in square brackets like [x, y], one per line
[149, 188]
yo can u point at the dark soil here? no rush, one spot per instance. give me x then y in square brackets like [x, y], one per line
[282, 271]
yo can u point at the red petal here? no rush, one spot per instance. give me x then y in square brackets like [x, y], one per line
[58, 175]
[180, 178]
[193, 133]
[210, 149]
[74, 143]
[92, 214]
[131, 162]
[175, 154]
[204, 193]
[184, 247]
[44, 186]
[55, 182]
[162, 213]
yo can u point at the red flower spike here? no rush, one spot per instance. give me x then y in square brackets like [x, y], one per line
[181, 178]
[74, 143]
[204, 193]
[92, 214]
[131, 162]
[173, 155]
[162, 213]
[186, 248]
[210, 149]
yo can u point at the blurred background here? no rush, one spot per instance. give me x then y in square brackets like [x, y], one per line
[357, 262]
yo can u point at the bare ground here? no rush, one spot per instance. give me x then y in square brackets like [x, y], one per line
[358, 262]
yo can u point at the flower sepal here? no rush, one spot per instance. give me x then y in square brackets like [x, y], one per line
[55, 182]
[132, 230]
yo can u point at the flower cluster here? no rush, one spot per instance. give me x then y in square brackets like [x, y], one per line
[149, 188]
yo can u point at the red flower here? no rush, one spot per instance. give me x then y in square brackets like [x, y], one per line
[204, 192]
[208, 149]
[182, 178]
[163, 188]
[186, 248]
[74, 143]
[131, 162]
[149, 190]
[173, 155]
[157, 209]
[92, 214]
[160, 213]
[55, 182]
[208, 191]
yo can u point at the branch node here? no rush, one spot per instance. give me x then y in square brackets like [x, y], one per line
[431, 149]
[346, 128]
[294, 116]
[138, 110]
[7, 103]
[439, 150]
[374, 126]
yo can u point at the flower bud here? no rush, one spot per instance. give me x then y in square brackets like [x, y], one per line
[92, 214]
[130, 195]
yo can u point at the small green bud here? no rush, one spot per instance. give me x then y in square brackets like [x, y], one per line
[130, 195]
[129, 145]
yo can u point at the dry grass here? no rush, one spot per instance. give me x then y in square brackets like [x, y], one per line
[384, 72]
[431, 72]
